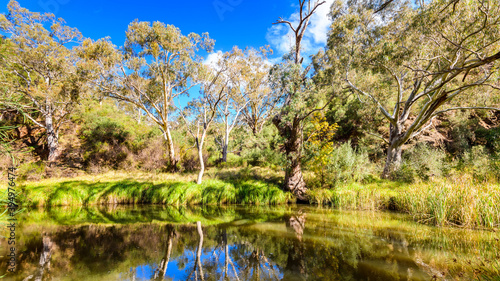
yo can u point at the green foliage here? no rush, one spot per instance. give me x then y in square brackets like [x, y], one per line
[233, 161]
[479, 163]
[31, 171]
[344, 165]
[259, 149]
[209, 192]
[491, 137]
[382, 61]
[45, 68]
[266, 157]
[463, 202]
[462, 136]
[422, 163]
[110, 138]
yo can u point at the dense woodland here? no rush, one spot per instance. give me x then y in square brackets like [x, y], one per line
[403, 91]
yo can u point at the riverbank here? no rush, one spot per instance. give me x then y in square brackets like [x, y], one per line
[461, 202]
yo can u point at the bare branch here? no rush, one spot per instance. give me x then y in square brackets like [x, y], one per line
[382, 109]
[281, 20]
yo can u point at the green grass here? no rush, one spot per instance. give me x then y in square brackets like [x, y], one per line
[461, 201]
[378, 195]
[119, 190]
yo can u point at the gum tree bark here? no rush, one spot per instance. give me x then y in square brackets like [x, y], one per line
[294, 181]
[394, 151]
[206, 110]
[199, 145]
[52, 138]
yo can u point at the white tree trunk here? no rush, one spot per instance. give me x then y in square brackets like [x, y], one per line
[225, 144]
[200, 156]
[170, 146]
[52, 138]
[394, 152]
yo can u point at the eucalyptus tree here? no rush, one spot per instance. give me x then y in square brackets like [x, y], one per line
[156, 65]
[247, 93]
[233, 98]
[261, 101]
[417, 64]
[201, 112]
[9, 101]
[43, 67]
[300, 97]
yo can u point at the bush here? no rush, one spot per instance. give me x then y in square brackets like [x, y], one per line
[112, 139]
[104, 144]
[346, 164]
[260, 150]
[266, 157]
[233, 161]
[154, 156]
[190, 161]
[479, 163]
[422, 162]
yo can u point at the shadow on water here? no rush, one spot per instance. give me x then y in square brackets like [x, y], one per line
[240, 243]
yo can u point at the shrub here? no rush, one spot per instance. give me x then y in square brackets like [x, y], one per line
[345, 164]
[113, 139]
[154, 156]
[190, 161]
[266, 157]
[261, 149]
[104, 144]
[422, 162]
[479, 163]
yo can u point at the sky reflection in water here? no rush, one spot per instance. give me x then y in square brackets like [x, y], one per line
[240, 243]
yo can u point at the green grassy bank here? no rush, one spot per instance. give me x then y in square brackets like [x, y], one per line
[141, 188]
[462, 202]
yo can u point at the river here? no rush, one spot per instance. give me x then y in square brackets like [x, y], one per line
[293, 242]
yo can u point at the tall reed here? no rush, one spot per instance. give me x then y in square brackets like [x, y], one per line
[463, 202]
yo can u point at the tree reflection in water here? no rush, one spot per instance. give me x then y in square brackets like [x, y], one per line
[44, 264]
[285, 245]
[162, 269]
[295, 266]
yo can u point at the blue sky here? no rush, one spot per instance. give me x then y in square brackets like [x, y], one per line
[229, 22]
[242, 23]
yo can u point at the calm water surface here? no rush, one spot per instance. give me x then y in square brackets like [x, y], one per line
[243, 243]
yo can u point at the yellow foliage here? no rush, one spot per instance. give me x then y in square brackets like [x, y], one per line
[321, 141]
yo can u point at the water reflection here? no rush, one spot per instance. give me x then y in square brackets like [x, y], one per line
[295, 266]
[240, 243]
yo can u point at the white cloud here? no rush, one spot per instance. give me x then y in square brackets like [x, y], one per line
[213, 58]
[320, 23]
[281, 37]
